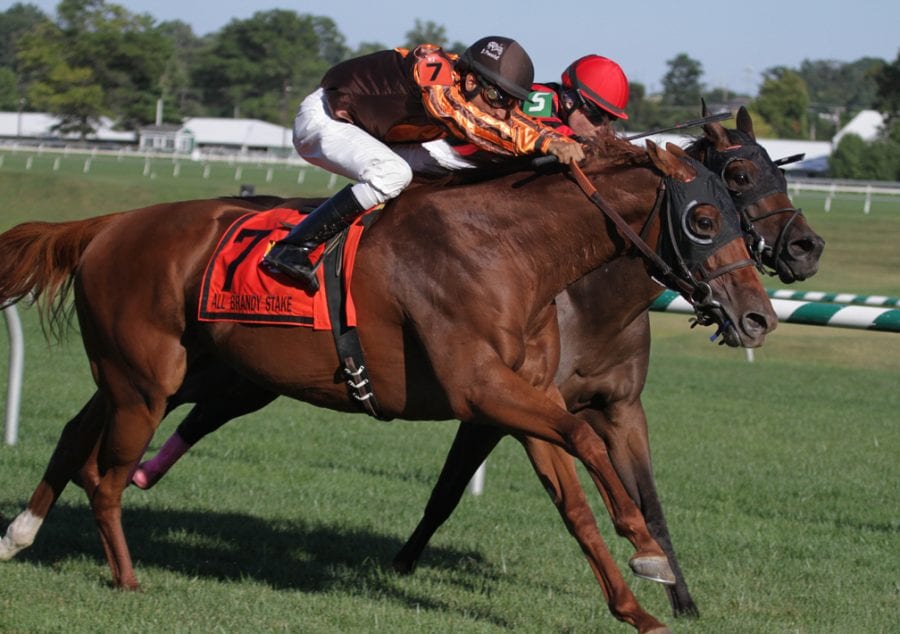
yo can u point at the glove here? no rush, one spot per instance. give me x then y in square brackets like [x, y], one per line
[566, 151]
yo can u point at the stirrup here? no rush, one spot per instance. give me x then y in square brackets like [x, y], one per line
[293, 261]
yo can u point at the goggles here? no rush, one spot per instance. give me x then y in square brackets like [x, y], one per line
[594, 113]
[494, 96]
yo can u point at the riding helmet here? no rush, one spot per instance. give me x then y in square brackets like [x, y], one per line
[599, 80]
[503, 62]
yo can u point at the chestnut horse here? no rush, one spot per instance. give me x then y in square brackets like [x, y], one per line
[425, 273]
[604, 324]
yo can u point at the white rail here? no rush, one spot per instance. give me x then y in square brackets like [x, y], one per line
[16, 366]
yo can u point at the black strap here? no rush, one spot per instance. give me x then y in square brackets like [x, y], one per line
[346, 339]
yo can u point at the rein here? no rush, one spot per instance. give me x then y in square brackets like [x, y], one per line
[591, 192]
[698, 293]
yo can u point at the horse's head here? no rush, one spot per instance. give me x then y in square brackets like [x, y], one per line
[778, 232]
[702, 240]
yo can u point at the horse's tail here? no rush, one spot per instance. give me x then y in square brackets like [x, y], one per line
[38, 259]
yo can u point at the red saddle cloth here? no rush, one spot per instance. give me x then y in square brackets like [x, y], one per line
[237, 287]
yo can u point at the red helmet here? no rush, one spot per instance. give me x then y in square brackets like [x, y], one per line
[599, 80]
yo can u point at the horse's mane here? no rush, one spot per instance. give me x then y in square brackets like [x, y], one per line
[602, 151]
[608, 150]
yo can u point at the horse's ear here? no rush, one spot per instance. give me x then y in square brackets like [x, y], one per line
[664, 160]
[715, 132]
[703, 111]
[677, 150]
[745, 123]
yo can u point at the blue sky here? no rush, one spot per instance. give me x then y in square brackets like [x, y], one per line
[641, 36]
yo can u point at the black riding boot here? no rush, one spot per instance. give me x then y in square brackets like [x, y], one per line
[291, 254]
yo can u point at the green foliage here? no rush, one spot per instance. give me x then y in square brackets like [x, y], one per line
[888, 93]
[99, 59]
[57, 83]
[259, 67]
[783, 102]
[9, 89]
[681, 84]
[840, 87]
[643, 113]
[878, 160]
[14, 22]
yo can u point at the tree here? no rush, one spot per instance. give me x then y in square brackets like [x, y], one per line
[9, 89]
[179, 96]
[848, 158]
[681, 84]
[854, 158]
[643, 113]
[431, 33]
[14, 22]
[253, 67]
[57, 85]
[887, 97]
[98, 59]
[784, 102]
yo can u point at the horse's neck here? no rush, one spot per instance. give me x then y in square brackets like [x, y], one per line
[588, 239]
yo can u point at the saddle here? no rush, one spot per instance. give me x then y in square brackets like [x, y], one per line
[237, 288]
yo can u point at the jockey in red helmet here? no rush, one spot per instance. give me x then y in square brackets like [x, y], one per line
[593, 92]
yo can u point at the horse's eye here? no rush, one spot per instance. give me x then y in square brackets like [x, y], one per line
[705, 225]
[742, 178]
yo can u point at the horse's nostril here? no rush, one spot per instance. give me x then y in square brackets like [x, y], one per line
[806, 247]
[755, 324]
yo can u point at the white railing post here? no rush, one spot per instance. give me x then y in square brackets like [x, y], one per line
[476, 484]
[16, 365]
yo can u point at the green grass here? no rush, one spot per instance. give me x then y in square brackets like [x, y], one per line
[778, 479]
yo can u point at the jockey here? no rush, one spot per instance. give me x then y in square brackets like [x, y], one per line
[593, 93]
[369, 110]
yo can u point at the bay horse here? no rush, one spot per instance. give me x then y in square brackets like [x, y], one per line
[604, 323]
[434, 351]
[604, 326]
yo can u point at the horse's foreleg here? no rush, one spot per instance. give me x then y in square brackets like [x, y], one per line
[472, 444]
[499, 395]
[76, 442]
[625, 433]
[556, 470]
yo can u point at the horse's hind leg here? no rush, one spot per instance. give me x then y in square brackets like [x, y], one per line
[472, 444]
[76, 443]
[129, 430]
[209, 414]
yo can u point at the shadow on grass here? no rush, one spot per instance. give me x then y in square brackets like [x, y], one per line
[295, 555]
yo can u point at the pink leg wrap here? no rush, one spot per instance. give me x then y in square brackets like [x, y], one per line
[150, 472]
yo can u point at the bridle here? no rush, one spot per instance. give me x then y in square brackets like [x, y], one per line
[771, 183]
[680, 255]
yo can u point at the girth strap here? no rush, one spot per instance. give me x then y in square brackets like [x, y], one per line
[346, 339]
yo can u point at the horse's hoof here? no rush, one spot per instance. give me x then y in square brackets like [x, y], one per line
[653, 567]
[404, 567]
[142, 480]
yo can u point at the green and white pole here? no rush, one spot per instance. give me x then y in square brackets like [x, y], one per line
[807, 312]
[835, 298]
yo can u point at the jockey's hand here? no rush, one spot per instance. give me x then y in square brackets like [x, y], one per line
[566, 151]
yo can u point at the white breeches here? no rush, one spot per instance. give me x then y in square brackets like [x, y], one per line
[382, 171]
